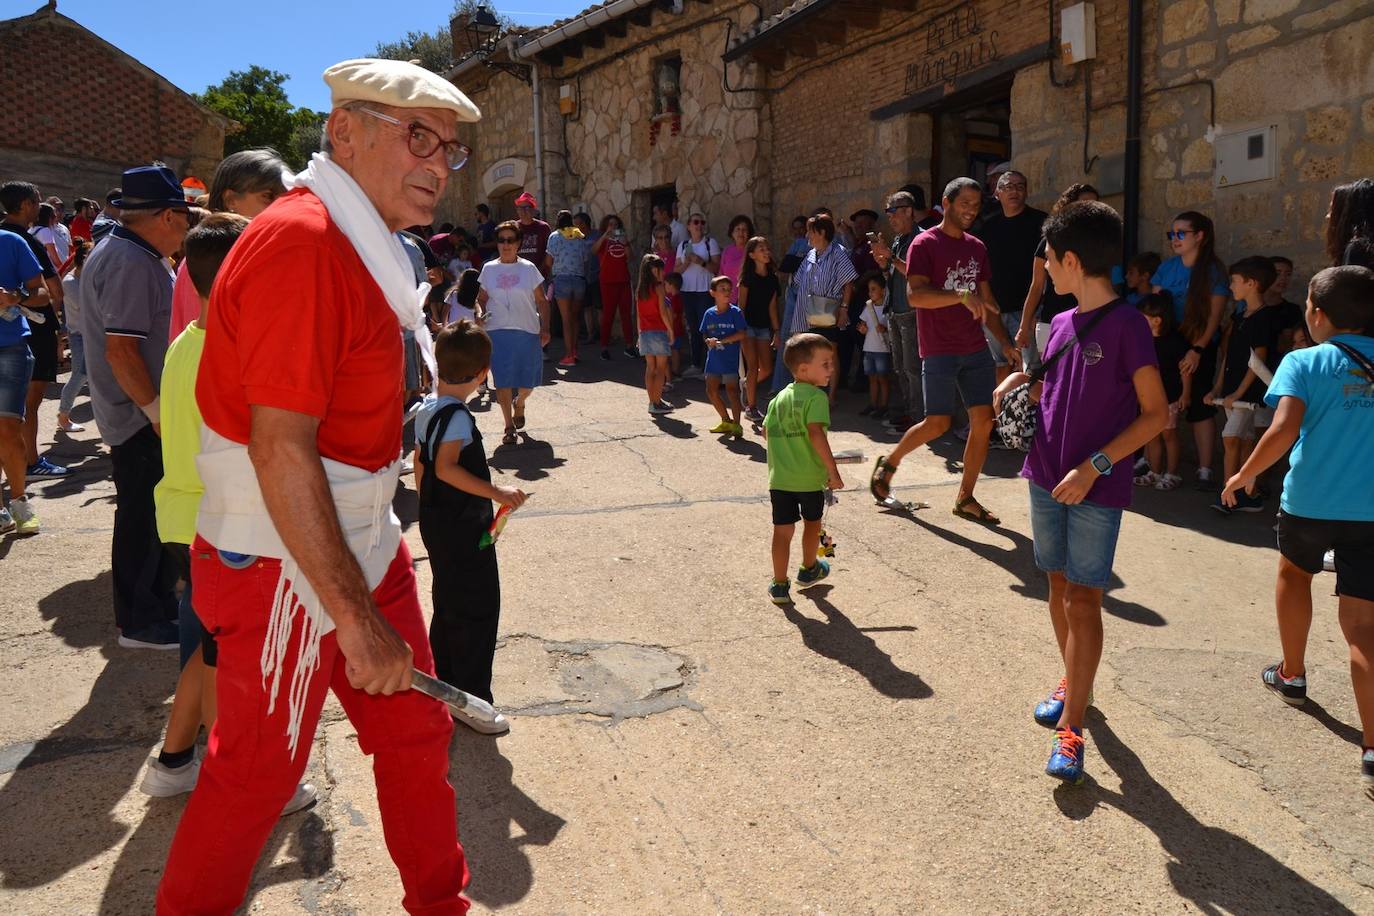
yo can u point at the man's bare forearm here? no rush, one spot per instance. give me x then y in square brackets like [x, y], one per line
[129, 369]
[296, 493]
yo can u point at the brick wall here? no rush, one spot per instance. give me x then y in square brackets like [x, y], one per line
[90, 104]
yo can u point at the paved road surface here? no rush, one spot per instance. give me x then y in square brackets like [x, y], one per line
[680, 745]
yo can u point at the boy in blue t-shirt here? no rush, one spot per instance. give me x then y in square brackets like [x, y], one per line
[723, 327]
[1325, 400]
[454, 484]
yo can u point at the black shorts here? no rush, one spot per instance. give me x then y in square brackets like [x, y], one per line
[1197, 411]
[1304, 541]
[43, 346]
[790, 507]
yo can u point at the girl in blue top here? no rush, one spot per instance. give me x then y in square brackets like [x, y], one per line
[1199, 297]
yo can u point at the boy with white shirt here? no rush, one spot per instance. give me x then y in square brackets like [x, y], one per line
[877, 352]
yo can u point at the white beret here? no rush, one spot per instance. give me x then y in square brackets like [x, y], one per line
[398, 83]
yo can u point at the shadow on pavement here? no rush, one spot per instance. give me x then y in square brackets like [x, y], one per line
[1347, 733]
[488, 802]
[678, 429]
[87, 460]
[839, 639]
[531, 459]
[1019, 560]
[1218, 871]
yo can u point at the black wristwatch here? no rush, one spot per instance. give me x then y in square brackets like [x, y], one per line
[1196, 349]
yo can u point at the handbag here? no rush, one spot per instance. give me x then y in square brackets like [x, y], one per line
[821, 310]
[1017, 419]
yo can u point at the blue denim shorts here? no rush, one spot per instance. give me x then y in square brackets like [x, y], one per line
[759, 333]
[877, 363]
[566, 286]
[653, 343]
[16, 370]
[972, 374]
[1078, 541]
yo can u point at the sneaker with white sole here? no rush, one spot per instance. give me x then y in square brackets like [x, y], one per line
[25, 519]
[161, 635]
[659, 408]
[162, 781]
[304, 796]
[7, 523]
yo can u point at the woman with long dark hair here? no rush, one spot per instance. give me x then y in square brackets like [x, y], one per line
[1350, 222]
[733, 258]
[759, 292]
[1196, 281]
[71, 314]
[655, 330]
[1034, 331]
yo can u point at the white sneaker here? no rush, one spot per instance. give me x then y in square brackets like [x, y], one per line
[302, 798]
[25, 519]
[691, 372]
[499, 727]
[6, 521]
[1329, 561]
[407, 466]
[162, 781]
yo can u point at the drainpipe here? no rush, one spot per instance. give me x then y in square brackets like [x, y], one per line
[1133, 100]
[538, 136]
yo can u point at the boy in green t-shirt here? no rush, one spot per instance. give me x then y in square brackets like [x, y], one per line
[800, 465]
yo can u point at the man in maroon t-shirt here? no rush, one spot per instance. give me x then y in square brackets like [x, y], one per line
[948, 285]
[534, 233]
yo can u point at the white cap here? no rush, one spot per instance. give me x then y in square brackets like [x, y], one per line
[398, 83]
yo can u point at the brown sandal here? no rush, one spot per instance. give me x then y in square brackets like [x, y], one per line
[509, 437]
[982, 515]
[880, 483]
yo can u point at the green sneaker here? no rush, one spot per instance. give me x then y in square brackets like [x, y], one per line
[810, 575]
[780, 591]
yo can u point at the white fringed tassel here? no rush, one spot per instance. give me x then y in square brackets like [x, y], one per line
[285, 603]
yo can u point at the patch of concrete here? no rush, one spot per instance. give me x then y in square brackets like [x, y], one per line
[612, 680]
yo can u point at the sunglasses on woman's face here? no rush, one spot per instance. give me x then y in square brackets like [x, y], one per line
[506, 240]
[1179, 234]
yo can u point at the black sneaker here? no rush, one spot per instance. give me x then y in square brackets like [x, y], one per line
[1247, 503]
[606, 355]
[632, 352]
[1221, 508]
[1367, 772]
[1292, 690]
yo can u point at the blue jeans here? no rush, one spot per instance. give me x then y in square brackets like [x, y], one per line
[16, 369]
[696, 305]
[77, 381]
[1078, 541]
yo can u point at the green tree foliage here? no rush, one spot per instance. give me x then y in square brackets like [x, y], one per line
[434, 50]
[256, 99]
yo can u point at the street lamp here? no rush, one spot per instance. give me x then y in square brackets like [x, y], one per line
[481, 30]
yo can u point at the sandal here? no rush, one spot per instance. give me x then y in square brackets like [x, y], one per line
[980, 515]
[880, 483]
[509, 437]
[520, 420]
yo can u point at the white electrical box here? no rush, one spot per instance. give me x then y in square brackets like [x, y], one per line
[1245, 155]
[1078, 33]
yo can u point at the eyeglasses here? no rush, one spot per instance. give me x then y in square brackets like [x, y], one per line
[507, 240]
[697, 222]
[1179, 234]
[902, 207]
[424, 142]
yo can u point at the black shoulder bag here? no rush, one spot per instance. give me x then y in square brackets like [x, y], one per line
[1017, 418]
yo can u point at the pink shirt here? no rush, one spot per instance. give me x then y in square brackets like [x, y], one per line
[731, 260]
[185, 303]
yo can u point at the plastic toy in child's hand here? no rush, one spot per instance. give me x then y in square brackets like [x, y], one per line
[498, 524]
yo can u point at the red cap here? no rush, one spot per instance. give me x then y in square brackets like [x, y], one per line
[527, 200]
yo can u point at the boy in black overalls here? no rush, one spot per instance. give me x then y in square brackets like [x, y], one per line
[456, 492]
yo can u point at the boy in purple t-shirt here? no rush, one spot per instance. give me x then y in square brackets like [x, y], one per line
[947, 284]
[1100, 401]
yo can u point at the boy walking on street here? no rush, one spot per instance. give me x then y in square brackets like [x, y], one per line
[1101, 400]
[456, 493]
[722, 328]
[801, 466]
[1325, 400]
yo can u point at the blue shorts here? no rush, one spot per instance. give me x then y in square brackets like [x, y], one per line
[1078, 541]
[877, 363]
[653, 343]
[1011, 321]
[759, 333]
[569, 287]
[972, 374]
[16, 371]
[517, 361]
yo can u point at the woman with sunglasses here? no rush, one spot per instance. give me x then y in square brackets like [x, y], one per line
[698, 261]
[515, 314]
[1196, 281]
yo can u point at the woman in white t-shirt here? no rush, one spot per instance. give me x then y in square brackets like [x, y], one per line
[52, 235]
[698, 260]
[515, 314]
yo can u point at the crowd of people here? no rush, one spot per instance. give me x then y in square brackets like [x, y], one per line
[255, 449]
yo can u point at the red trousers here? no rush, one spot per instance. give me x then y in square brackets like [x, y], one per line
[248, 774]
[615, 296]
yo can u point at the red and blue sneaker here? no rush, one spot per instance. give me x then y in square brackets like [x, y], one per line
[1066, 759]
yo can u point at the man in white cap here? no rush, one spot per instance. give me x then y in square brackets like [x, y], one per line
[299, 566]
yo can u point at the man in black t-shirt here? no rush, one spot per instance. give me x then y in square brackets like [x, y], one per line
[1011, 237]
[904, 208]
[20, 200]
[1290, 314]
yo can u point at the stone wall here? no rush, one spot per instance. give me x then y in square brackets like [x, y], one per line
[89, 111]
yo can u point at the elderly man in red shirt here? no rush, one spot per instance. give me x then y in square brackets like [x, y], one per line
[299, 566]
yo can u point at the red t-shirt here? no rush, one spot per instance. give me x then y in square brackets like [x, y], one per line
[650, 317]
[297, 322]
[81, 228]
[615, 261]
[679, 314]
[948, 263]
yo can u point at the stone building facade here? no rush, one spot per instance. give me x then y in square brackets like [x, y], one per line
[786, 107]
[89, 111]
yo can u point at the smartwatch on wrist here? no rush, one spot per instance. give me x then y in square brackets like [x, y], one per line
[1101, 463]
[1196, 349]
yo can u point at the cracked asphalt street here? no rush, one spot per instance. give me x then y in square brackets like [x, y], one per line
[680, 745]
